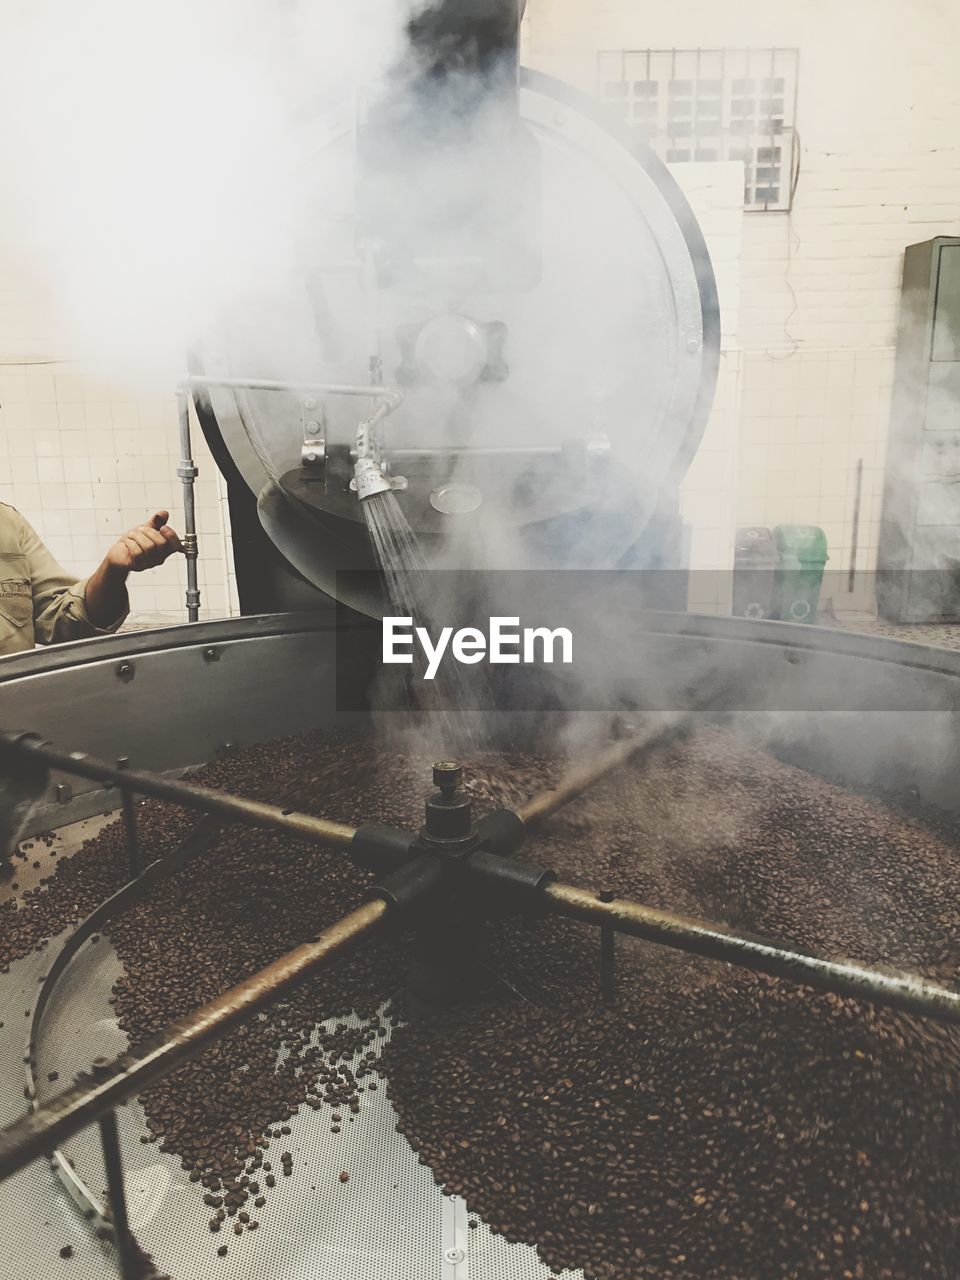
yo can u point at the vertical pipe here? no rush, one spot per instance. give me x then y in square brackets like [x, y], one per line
[187, 471]
[855, 535]
[771, 136]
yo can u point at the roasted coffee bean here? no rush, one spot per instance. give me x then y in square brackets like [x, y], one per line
[710, 1124]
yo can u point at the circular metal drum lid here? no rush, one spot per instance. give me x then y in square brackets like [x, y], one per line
[619, 336]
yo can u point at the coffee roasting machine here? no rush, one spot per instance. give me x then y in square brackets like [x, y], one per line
[519, 327]
[569, 447]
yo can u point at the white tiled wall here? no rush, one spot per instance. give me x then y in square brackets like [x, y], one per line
[806, 421]
[84, 461]
[819, 288]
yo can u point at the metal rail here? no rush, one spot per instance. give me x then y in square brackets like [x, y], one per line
[75, 1108]
[187, 471]
[196, 843]
[72, 1110]
[202, 381]
[538, 808]
[334, 835]
[595, 446]
[894, 990]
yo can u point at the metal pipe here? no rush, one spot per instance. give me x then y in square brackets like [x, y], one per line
[540, 807]
[334, 835]
[474, 451]
[367, 445]
[196, 842]
[131, 1259]
[271, 384]
[594, 447]
[895, 991]
[69, 1112]
[855, 528]
[187, 471]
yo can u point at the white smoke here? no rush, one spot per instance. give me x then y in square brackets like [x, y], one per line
[152, 180]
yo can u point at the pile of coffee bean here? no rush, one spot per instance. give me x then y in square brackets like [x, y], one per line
[713, 1124]
[246, 899]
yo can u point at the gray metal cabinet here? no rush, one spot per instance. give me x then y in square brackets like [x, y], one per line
[918, 576]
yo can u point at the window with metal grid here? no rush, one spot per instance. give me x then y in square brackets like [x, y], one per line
[713, 104]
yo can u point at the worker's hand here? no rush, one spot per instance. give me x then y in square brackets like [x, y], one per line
[145, 546]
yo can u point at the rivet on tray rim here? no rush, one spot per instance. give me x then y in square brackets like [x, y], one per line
[211, 655]
[125, 670]
[454, 1256]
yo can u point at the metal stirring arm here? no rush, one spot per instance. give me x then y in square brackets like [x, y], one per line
[452, 860]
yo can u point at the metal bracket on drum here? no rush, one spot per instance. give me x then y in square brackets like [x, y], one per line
[313, 452]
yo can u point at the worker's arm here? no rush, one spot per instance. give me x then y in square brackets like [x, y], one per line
[67, 609]
[143, 547]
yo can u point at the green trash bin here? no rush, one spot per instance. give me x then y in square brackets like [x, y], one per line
[802, 550]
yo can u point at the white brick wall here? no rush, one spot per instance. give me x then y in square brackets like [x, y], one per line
[878, 103]
[84, 460]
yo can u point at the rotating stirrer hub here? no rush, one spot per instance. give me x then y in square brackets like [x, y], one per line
[449, 825]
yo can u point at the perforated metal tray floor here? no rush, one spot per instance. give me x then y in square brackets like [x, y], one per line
[389, 1222]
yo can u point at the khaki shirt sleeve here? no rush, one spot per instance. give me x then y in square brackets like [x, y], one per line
[59, 599]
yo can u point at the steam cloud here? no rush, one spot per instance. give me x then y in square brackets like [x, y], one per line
[153, 177]
[171, 177]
